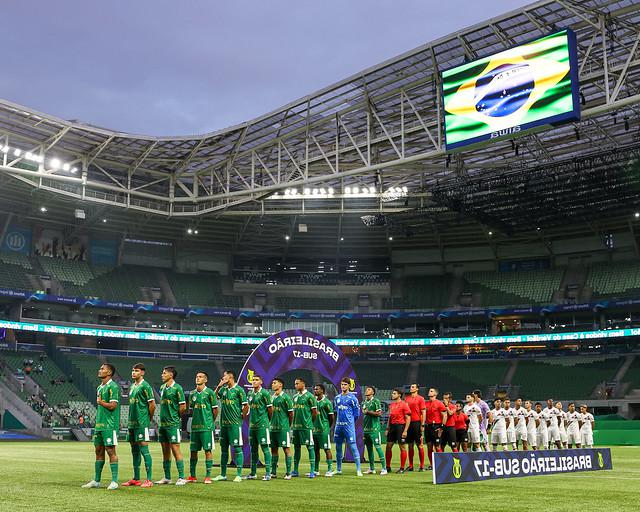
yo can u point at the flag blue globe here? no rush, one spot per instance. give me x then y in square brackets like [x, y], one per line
[504, 89]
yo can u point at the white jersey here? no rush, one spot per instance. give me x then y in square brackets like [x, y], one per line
[587, 418]
[521, 415]
[561, 419]
[511, 414]
[499, 417]
[531, 417]
[473, 411]
[554, 415]
[544, 417]
[573, 420]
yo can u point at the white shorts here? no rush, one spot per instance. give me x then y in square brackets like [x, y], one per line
[563, 435]
[554, 434]
[499, 436]
[511, 435]
[573, 436]
[521, 433]
[587, 439]
[473, 435]
[532, 438]
[543, 440]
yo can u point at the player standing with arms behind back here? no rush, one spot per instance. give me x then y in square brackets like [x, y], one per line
[588, 424]
[172, 406]
[322, 429]
[204, 409]
[372, 410]
[281, 422]
[142, 405]
[416, 429]
[260, 412]
[472, 410]
[347, 412]
[305, 410]
[105, 435]
[397, 429]
[233, 407]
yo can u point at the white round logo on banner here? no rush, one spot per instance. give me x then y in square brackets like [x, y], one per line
[15, 241]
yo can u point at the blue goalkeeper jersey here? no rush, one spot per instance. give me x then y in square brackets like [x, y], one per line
[347, 409]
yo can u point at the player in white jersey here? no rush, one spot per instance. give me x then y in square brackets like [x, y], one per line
[542, 433]
[588, 424]
[511, 429]
[554, 429]
[562, 424]
[574, 422]
[532, 421]
[473, 411]
[499, 421]
[521, 424]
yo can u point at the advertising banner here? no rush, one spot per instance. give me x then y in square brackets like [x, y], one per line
[453, 468]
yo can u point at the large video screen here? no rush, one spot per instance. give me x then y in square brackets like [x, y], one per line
[503, 94]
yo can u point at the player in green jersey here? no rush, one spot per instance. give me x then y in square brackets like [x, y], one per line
[260, 413]
[281, 422]
[105, 436]
[372, 411]
[322, 429]
[305, 410]
[233, 407]
[172, 406]
[204, 410]
[142, 405]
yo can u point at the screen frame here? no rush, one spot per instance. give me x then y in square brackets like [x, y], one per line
[573, 115]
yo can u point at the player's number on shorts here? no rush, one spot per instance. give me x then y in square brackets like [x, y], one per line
[305, 355]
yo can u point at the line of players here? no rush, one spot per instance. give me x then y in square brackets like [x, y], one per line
[277, 421]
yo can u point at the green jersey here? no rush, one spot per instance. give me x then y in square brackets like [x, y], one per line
[259, 403]
[231, 402]
[282, 406]
[371, 423]
[139, 397]
[202, 404]
[106, 419]
[325, 409]
[303, 403]
[170, 399]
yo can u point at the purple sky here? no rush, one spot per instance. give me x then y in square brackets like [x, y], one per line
[176, 68]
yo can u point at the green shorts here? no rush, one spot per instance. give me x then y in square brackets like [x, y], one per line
[322, 439]
[202, 440]
[231, 435]
[373, 437]
[169, 435]
[301, 437]
[105, 438]
[259, 436]
[281, 439]
[138, 435]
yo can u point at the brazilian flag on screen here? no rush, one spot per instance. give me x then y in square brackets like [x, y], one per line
[527, 86]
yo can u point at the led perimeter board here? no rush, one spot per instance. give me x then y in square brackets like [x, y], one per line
[530, 85]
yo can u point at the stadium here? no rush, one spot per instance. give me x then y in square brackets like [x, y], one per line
[464, 217]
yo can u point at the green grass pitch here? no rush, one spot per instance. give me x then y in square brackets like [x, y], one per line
[47, 476]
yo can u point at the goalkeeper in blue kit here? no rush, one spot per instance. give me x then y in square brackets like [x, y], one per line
[347, 410]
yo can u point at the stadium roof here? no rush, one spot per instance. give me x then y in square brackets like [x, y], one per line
[379, 128]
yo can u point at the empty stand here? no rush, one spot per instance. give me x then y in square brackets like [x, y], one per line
[314, 303]
[611, 279]
[203, 289]
[523, 287]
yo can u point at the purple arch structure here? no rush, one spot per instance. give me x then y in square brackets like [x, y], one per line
[299, 349]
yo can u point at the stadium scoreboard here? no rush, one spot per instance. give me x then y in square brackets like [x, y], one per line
[503, 94]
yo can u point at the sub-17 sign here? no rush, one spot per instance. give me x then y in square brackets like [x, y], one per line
[453, 468]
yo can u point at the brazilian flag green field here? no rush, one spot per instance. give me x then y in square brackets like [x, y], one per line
[46, 476]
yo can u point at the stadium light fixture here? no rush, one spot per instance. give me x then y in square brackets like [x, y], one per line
[490, 233]
[390, 239]
[43, 209]
[636, 215]
[104, 221]
[189, 231]
[287, 237]
[54, 163]
[17, 152]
